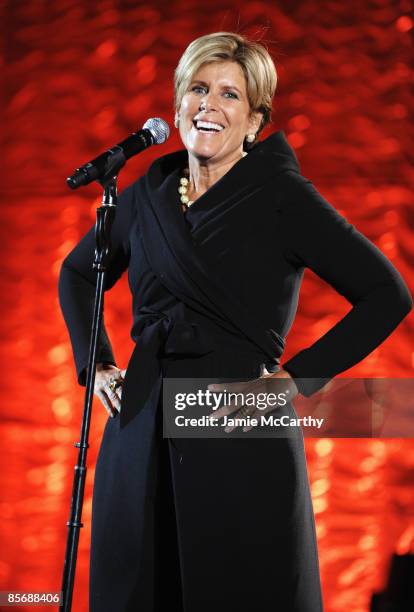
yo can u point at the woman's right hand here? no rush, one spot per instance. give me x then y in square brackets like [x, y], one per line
[105, 373]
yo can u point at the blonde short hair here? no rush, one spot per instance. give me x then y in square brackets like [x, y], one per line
[254, 59]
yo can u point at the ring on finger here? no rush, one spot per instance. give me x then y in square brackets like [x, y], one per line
[114, 383]
[245, 410]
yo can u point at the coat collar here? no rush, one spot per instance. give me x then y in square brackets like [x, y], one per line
[269, 157]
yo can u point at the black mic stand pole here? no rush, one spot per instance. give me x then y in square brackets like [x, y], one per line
[105, 215]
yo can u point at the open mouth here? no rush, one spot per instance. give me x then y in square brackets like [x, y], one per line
[208, 127]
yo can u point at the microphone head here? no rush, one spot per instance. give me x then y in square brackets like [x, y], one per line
[159, 129]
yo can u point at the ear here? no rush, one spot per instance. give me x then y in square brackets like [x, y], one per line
[255, 121]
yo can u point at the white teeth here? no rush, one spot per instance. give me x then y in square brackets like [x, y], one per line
[209, 125]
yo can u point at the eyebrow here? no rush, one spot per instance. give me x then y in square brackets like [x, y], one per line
[226, 86]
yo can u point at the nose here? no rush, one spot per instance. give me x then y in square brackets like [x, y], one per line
[207, 103]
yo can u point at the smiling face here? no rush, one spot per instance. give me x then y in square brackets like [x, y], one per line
[215, 115]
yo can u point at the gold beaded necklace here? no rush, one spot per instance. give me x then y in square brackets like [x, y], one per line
[183, 187]
[183, 190]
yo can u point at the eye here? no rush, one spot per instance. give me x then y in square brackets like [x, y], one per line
[231, 94]
[198, 88]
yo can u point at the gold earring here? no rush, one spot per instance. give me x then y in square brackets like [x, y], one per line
[176, 121]
[250, 137]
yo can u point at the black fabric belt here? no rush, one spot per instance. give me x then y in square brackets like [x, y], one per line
[166, 334]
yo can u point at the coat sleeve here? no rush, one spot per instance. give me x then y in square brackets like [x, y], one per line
[316, 236]
[77, 284]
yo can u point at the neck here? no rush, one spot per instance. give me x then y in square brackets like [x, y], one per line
[203, 174]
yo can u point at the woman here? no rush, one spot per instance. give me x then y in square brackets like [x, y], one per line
[216, 238]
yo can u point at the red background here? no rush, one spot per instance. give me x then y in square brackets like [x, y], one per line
[79, 76]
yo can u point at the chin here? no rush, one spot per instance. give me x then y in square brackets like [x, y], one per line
[202, 153]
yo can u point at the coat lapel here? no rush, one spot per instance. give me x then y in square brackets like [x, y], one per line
[170, 245]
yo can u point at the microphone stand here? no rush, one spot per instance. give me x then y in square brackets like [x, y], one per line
[105, 216]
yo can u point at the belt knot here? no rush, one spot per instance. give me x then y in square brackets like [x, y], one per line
[160, 335]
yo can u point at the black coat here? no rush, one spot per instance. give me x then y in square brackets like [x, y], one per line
[214, 295]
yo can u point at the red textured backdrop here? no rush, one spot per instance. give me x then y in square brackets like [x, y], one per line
[79, 76]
